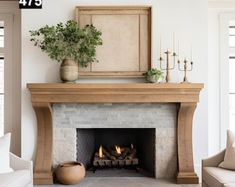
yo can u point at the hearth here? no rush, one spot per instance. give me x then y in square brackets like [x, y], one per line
[106, 148]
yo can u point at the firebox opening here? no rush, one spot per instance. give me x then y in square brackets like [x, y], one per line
[114, 148]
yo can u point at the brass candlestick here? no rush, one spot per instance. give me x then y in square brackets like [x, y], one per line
[168, 68]
[185, 69]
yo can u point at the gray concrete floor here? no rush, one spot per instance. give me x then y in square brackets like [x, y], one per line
[123, 182]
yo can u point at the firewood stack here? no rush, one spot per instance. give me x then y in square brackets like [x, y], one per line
[115, 157]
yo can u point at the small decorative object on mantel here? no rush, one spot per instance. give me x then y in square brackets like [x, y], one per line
[70, 44]
[186, 67]
[168, 54]
[70, 173]
[154, 75]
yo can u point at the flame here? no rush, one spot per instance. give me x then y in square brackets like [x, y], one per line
[101, 152]
[132, 147]
[118, 149]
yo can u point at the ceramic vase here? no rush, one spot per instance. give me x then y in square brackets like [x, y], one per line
[68, 70]
[70, 173]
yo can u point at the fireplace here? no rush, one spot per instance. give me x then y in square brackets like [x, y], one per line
[80, 130]
[185, 96]
[131, 149]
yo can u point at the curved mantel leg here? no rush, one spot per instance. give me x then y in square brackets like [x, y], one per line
[186, 173]
[43, 161]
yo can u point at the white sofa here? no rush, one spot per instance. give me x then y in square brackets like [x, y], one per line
[22, 176]
[214, 176]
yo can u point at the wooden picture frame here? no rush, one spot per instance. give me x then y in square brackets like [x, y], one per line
[126, 34]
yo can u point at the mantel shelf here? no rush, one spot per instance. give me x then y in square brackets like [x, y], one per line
[116, 93]
[43, 95]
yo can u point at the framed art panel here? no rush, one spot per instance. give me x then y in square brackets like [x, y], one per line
[126, 34]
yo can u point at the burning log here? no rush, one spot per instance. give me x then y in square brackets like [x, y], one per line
[124, 153]
[113, 152]
[103, 153]
[106, 153]
[102, 162]
[118, 157]
[132, 154]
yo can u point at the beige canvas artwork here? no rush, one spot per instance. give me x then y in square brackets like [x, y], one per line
[126, 34]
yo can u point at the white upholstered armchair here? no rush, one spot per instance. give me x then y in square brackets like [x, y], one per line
[214, 176]
[22, 176]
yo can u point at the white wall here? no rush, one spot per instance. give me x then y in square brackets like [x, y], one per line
[187, 18]
[214, 128]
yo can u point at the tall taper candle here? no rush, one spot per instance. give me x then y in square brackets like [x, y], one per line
[160, 46]
[178, 48]
[191, 58]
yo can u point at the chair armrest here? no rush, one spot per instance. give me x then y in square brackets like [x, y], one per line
[17, 163]
[214, 161]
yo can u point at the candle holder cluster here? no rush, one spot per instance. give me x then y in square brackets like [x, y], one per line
[185, 65]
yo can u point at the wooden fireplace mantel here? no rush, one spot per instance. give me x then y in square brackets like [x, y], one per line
[43, 95]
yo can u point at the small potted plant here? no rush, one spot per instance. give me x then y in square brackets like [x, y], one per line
[154, 75]
[70, 44]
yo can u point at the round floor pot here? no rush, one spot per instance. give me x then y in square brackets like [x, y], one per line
[68, 70]
[70, 172]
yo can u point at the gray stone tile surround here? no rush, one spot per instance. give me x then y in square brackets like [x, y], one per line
[162, 117]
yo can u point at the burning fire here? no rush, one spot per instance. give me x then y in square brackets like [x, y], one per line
[101, 152]
[132, 147]
[118, 149]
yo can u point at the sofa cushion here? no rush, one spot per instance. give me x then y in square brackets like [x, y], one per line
[229, 158]
[17, 178]
[229, 185]
[217, 177]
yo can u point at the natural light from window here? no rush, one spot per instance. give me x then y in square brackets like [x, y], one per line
[1, 34]
[232, 75]
[1, 78]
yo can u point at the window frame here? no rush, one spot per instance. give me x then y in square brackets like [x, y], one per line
[224, 52]
[8, 58]
[2, 93]
[12, 75]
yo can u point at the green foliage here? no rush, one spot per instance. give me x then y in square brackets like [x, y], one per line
[68, 41]
[155, 73]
